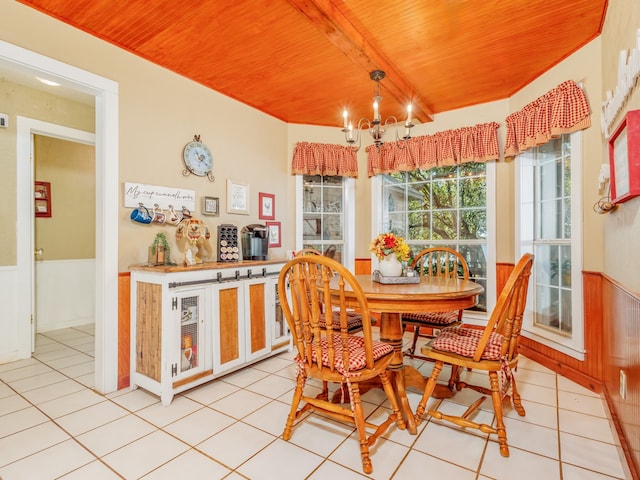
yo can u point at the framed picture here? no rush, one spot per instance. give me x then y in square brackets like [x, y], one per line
[274, 234]
[624, 158]
[211, 206]
[267, 206]
[237, 197]
[42, 199]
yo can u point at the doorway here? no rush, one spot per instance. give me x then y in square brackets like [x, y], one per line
[64, 232]
[105, 92]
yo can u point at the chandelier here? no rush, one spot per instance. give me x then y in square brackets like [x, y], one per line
[376, 128]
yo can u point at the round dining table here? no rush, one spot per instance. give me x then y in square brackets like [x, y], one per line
[391, 300]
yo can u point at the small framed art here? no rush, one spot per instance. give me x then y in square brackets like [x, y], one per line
[267, 206]
[624, 158]
[237, 197]
[211, 206]
[274, 234]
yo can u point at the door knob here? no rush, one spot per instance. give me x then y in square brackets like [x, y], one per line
[38, 252]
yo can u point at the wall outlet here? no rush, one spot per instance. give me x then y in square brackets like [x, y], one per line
[4, 120]
[623, 384]
[435, 332]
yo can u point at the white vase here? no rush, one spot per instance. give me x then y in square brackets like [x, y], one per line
[390, 266]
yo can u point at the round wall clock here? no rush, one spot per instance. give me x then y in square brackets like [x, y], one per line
[198, 159]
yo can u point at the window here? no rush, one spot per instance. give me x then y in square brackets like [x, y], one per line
[446, 206]
[550, 228]
[325, 224]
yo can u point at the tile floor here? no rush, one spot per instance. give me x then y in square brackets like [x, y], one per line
[53, 425]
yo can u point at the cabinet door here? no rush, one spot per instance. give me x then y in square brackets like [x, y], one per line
[280, 335]
[259, 306]
[228, 326]
[148, 353]
[190, 343]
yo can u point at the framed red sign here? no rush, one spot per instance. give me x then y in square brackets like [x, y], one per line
[624, 158]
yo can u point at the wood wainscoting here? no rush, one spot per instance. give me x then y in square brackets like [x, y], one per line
[124, 328]
[621, 352]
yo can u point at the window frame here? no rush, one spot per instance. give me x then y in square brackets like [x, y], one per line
[348, 218]
[525, 241]
[471, 317]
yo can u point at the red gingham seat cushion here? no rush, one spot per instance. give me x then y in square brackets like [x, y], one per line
[354, 321]
[464, 341]
[357, 357]
[433, 318]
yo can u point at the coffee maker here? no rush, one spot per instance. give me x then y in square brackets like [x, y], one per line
[255, 242]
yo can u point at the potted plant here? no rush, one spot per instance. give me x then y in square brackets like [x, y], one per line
[159, 251]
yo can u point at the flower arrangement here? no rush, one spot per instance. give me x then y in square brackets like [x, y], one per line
[387, 243]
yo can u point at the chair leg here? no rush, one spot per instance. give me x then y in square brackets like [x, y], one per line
[517, 401]
[496, 397]
[388, 389]
[358, 417]
[428, 390]
[416, 334]
[297, 396]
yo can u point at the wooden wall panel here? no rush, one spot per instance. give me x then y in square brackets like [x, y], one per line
[124, 336]
[621, 339]
[363, 266]
[587, 373]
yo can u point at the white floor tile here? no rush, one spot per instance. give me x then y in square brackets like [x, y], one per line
[268, 463]
[199, 425]
[236, 444]
[232, 427]
[113, 435]
[91, 417]
[95, 470]
[421, 465]
[591, 454]
[145, 454]
[27, 442]
[191, 465]
[21, 420]
[331, 470]
[160, 415]
[50, 463]
[240, 404]
[70, 403]
[520, 464]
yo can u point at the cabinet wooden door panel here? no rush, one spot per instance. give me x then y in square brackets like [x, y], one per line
[229, 341]
[149, 330]
[257, 318]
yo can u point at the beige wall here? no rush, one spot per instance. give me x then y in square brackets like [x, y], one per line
[19, 100]
[621, 227]
[70, 168]
[159, 113]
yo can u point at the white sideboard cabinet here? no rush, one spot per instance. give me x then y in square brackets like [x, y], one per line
[190, 325]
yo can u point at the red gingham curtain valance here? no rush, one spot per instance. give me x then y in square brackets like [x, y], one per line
[324, 159]
[451, 147]
[564, 109]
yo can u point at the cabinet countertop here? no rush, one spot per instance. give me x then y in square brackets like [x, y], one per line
[204, 266]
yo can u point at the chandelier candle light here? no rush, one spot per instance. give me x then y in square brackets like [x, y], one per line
[375, 126]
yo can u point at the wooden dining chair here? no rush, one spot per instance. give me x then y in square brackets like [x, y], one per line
[493, 349]
[354, 319]
[435, 262]
[332, 354]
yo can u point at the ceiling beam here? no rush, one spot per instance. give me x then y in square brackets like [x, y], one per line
[355, 44]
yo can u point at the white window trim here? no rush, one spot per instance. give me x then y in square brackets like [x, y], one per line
[474, 318]
[349, 218]
[574, 345]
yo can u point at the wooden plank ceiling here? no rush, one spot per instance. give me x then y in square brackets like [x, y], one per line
[304, 61]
